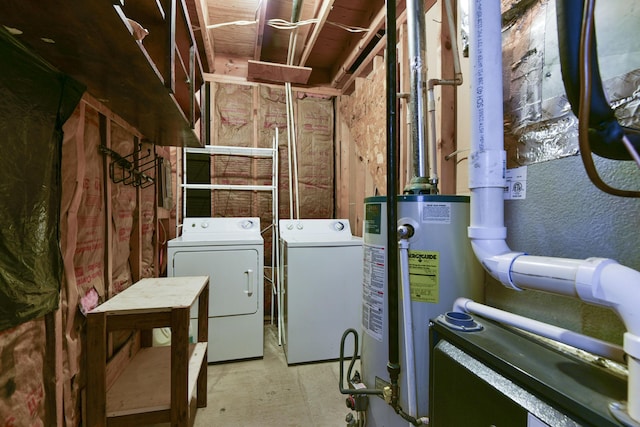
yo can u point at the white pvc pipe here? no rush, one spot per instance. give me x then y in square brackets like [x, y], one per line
[293, 156]
[574, 339]
[287, 90]
[294, 146]
[432, 141]
[634, 388]
[410, 364]
[184, 193]
[598, 281]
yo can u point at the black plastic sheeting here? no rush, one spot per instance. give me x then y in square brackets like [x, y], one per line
[35, 101]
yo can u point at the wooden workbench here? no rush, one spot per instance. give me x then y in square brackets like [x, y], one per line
[158, 384]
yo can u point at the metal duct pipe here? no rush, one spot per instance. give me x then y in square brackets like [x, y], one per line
[418, 70]
[296, 9]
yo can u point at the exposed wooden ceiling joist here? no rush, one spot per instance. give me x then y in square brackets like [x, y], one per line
[377, 50]
[322, 16]
[199, 19]
[262, 13]
[341, 36]
[376, 24]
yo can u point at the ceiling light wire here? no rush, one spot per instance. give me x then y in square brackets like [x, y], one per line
[350, 29]
[282, 24]
[225, 24]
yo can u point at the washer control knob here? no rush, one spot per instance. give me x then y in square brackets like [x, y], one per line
[338, 226]
[299, 226]
[247, 224]
[289, 226]
[204, 224]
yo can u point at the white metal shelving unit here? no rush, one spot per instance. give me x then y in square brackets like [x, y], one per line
[255, 152]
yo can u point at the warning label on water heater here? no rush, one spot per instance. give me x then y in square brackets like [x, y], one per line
[436, 213]
[424, 276]
[375, 262]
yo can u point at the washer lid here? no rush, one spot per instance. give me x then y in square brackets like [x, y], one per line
[316, 231]
[310, 242]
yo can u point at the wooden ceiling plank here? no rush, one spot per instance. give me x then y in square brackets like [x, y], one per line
[311, 41]
[271, 72]
[380, 46]
[262, 14]
[232, 40]
[200, 6]
[377, 23]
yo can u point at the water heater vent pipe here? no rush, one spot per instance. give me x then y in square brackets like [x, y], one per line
[597, 281]
[418, 72]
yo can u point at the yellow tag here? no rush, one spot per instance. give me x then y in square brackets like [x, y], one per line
[424, 276]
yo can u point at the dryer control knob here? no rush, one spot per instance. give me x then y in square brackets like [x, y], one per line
[204, 224]
[247, 224]
[339, 226]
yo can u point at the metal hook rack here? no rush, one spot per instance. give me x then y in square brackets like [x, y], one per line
[143, 180]
[122, 168]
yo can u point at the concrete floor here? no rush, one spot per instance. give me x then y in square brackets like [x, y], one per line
[266, 392]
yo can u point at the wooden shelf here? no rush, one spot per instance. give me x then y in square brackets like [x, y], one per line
[144, 385]
[91, 41]
[157, 384]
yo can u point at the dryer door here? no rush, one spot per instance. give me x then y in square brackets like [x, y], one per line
[233, 278]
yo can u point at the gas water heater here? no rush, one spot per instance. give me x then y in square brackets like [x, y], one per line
[441, 268]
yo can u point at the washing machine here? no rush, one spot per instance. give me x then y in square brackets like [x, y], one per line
[321, 287]
[231, 252]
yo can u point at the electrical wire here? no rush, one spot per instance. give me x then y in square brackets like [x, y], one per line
[629, 146]
[350, 29]
[586, 36]
[225, 24]
[283, 24]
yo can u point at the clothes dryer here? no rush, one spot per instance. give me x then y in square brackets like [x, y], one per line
[231, 252]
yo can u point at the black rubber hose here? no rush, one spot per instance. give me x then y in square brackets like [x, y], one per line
[351, 389]
[605, 133]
